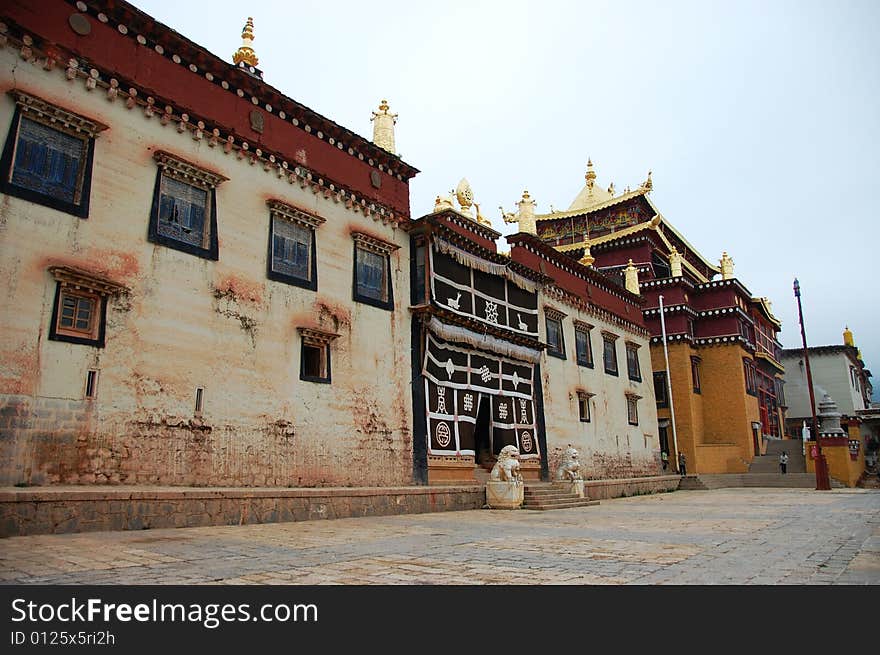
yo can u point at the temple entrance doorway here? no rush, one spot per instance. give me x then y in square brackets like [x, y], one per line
[482, 440]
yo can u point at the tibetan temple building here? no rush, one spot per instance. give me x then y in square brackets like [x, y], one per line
[210, 284]
[725, 374]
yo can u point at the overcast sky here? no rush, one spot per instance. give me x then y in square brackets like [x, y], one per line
[759, 120]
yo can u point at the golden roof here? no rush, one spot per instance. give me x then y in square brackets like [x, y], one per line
[593, 197]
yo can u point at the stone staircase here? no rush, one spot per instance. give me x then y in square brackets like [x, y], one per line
[550, 495]
[769, 463]
[772, 480]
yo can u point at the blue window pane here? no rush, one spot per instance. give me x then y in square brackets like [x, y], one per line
[291, 249]
[371, 275]
[48, 161]
[182, 209]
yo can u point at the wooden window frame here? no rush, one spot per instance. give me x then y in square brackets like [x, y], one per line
[281, 211]
[584, 413]
[660, 376]
[71, 282]
[177, 169]
[319, 340]
[366, 243]
[53, 117]
[696, 375]
[586, 330]
[609, 337]
[634, 375]
[632, 408]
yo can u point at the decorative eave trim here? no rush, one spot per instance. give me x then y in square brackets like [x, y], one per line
[500, 268]
[583, 393]
[534, 245]
[680, 337]
[725, 283]
[554, 314]
[293, 214]
[770, 360]
[583, 325]
[632, 344]
[632, 394]
[465, 221]
[48, 111]
[668, 309]
[202, 63]
[131, 96]
[371, 243]
[667, 282]
[79, 279]
[316, 337]
[192, 173]
[610, 335]
[462, 333]
[563, 296]
[448, 317]
[728, 339]
[623, 197]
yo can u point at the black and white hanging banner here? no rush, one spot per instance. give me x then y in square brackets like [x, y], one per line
[458, 380]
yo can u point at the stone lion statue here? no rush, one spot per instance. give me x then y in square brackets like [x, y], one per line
[506, 469]
[570, 467]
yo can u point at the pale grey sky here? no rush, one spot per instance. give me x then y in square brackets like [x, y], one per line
[759, 120]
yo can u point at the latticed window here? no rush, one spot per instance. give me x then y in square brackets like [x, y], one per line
[372, 268]
[48, 155]
[292, 249]
[184, 215]
[80, 306]
[609, 342]
[632, 409]
[583, 347]
[632, 362]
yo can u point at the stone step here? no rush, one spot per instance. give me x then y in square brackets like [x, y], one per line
[770, 480]
[562, 504]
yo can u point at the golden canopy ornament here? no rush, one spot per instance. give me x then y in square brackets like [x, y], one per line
[245, 53]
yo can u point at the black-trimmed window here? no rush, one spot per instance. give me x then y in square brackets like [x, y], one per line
[632, 362]
[695, 374]
[661, 391]
[584, 406]
[184, 211]
[48, 155]
[582, 345]
[555, 337]
[292, 255]
[372, 271]
[79, 310]
[632, 409]
[609, 352]
[751, 378]
[315, 355]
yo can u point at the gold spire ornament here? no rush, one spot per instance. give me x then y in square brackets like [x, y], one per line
[587, 259]
[726, 266]
[848, 337]
[648, 184]
[245, 53]
[590, 177]
[524, 216]
[465, 196]
[631, 274]
[675, 263]
[383, 127]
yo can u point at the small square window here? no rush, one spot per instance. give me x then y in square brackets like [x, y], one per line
[183, 215]
[315, 355]
[583, 347]
[610, 353]
[48, 156]
[372, 271]
[77, 317]
[584, 406]
[80, 306]
[632, 409]
[632, 362]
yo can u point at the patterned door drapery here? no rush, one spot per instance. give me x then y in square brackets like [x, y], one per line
[458, 380]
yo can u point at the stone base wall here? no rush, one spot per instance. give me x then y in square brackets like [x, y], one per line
[60, 510]
[605, 489]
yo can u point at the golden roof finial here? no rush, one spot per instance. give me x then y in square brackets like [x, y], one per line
[631, 277]
[726, 266]
[648, 184]
[591, 174]
[848, 337]
[383, 127]
[245, 53]
[587, 259]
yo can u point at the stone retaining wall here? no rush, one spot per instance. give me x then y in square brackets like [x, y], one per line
[604, 489]
[62, 510]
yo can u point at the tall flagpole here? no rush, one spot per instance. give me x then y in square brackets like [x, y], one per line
[668, 379]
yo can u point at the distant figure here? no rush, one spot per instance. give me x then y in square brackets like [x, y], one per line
[682, 466]
[664, 457]
[783, 461]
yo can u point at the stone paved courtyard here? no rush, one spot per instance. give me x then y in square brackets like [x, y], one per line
[726, 536]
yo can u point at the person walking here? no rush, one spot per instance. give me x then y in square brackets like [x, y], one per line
[664, 457]
[682, 466]
[783, 461]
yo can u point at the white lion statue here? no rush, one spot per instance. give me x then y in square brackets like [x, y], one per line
[506, 469]
[570, 467]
